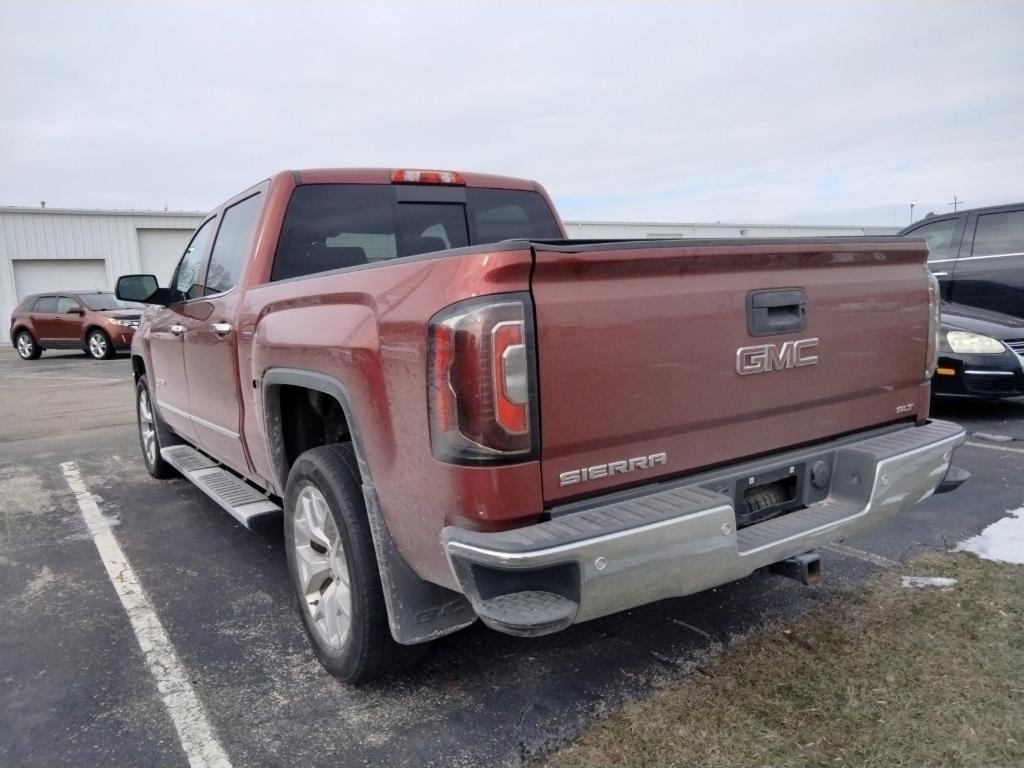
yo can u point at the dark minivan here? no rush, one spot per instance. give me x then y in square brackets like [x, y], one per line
[978, 256]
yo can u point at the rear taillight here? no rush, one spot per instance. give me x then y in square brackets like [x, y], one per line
[934, 326]
[482, 385]
[409, 176]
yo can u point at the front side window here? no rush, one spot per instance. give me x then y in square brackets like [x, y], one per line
[45, 304]
[64, 304]
[232, 244]
[333, 226]
[187, 276]
[940, 235]
[999, 234]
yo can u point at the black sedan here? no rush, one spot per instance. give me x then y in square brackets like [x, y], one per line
[981, 354]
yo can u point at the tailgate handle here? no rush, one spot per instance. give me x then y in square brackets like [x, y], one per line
[776, 312]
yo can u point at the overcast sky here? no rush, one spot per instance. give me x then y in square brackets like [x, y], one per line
[758, 111]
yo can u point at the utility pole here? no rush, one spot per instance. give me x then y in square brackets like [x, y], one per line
[955, 203]
[912, 204]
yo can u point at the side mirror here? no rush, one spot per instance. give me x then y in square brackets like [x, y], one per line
[76, 311]
[143, 289]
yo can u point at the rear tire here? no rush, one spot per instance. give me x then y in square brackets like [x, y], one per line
[333, 569]
[99, 345]
[152, 433]
[26, 345]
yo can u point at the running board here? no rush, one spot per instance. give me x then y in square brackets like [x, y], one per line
[241, 500]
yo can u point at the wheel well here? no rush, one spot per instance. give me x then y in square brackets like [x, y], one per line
[308, 419]
[138, 366]
[90, 329]
[18, 329]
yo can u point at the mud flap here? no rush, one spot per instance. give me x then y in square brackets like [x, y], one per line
[418, 610]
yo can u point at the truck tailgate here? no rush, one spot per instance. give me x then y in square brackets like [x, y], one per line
[656, 359]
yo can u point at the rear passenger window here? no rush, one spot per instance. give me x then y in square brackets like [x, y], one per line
[999, 234]
[939, 235]
[46, 304]
[232, 244]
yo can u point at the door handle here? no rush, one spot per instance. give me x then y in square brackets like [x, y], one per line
[221, 329]
[176, 329]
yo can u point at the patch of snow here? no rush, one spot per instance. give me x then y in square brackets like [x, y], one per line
[1003, 541]
[919, 582]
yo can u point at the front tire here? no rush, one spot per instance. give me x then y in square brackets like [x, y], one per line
[26, 345]
[333, 569]
[99, 345]
[150, 431]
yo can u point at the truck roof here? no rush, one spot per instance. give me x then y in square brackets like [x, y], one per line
[383, 176]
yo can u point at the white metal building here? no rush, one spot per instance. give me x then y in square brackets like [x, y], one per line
[44, 249]
[52, 249]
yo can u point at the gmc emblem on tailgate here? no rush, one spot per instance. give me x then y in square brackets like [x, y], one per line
[772, 357]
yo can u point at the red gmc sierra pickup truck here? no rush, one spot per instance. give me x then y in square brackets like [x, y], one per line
[463, 415]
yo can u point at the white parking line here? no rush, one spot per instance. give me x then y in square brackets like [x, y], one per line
[975, 444]
[860, 554]
[194, 731]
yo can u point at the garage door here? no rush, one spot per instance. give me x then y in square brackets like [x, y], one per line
[41, 275]
[159, 251]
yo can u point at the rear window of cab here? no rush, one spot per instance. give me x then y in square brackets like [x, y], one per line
[333, 226]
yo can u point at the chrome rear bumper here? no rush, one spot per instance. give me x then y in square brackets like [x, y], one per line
[681, 538]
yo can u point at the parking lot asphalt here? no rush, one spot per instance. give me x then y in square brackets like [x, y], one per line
[77, 690]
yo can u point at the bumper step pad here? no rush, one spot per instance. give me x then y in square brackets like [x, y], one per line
[527, 613]
[238, 498]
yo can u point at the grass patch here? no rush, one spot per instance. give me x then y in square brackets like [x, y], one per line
[882, 676]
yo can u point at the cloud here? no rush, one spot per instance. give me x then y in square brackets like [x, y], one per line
[643, 111]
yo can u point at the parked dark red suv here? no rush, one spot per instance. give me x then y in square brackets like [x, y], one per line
[98, 323]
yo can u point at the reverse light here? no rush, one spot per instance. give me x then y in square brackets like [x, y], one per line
[416, 176]
[967, 343]
[481, 376]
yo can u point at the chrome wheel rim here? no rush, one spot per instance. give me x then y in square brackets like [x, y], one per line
[25, 345]
[147, 430]
[97, 345]
[322, 568]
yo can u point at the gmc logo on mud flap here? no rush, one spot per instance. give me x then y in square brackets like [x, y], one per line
[772, 357]
[452, 608]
